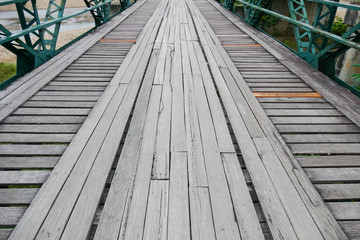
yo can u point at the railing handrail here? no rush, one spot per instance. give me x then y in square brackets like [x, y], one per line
[338, 4]
[307, 27]
[46, 24]
[7, 2]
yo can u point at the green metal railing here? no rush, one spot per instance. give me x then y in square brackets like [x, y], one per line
[315, 43]
[36, 42]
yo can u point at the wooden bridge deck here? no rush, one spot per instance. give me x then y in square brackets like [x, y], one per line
[178, 121]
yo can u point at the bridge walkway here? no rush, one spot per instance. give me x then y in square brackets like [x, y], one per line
[176, 120]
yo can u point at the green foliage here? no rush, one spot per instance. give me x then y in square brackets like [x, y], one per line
[7, 70]
[269, 21]
[339, 27]
[290, 43]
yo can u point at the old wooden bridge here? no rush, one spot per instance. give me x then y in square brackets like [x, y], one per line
[176, 120]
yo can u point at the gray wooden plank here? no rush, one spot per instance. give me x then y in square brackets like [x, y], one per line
[329, 161]
[161, 165]
[35, 138]
[157, 211]
[196, 163]
[303, 112]
[52, 111]
[352, 229]
[296, 105]
[26, 149]
[5, 233]
[202, 225]
[58, 104]
[336, 192]
[112, 217]
[317, 128]
[32, 177]
[9, 216]
[44, 119]
[178, 219]
[291, 100]
[65, 98]
[244, 208]
[350, 174]
[325, 148]
[310, 120]
[35, 128]
[28, 162]
[17, 196]
[134, 226]
[321, 138]
[178, 131]
[345, 211]
[67, 93]
[73, 88]
[246, 218]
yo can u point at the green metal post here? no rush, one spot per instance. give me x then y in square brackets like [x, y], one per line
[298, 12]
[54, 11]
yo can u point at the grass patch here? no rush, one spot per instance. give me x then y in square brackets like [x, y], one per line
[7, 70]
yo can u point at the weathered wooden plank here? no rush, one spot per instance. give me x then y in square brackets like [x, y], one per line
[303, 112]
[178, 219]
[310, 120]
[23, 177]
[335, 192]
[9, 216]
[111, 220]
[35, 128]
[65, 98]
[202, 225]
[28, 162]
[35, 138]
[318, 128]
[17, 149]
[321, 138]
[57, 104]
[52, 111]
[329, 161]
[67, 93]
[5, 233]
[134, 226]
[17, 196]
[352, 228]
[44, 119]
[276, 85]
[333, 174]
[161, 165]
[157, 211]
[244, 208]
[291, 100]
[325, 148]
[196, 164]
[345, 211]
[178, 131]
[296, 105]
[73, 88]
